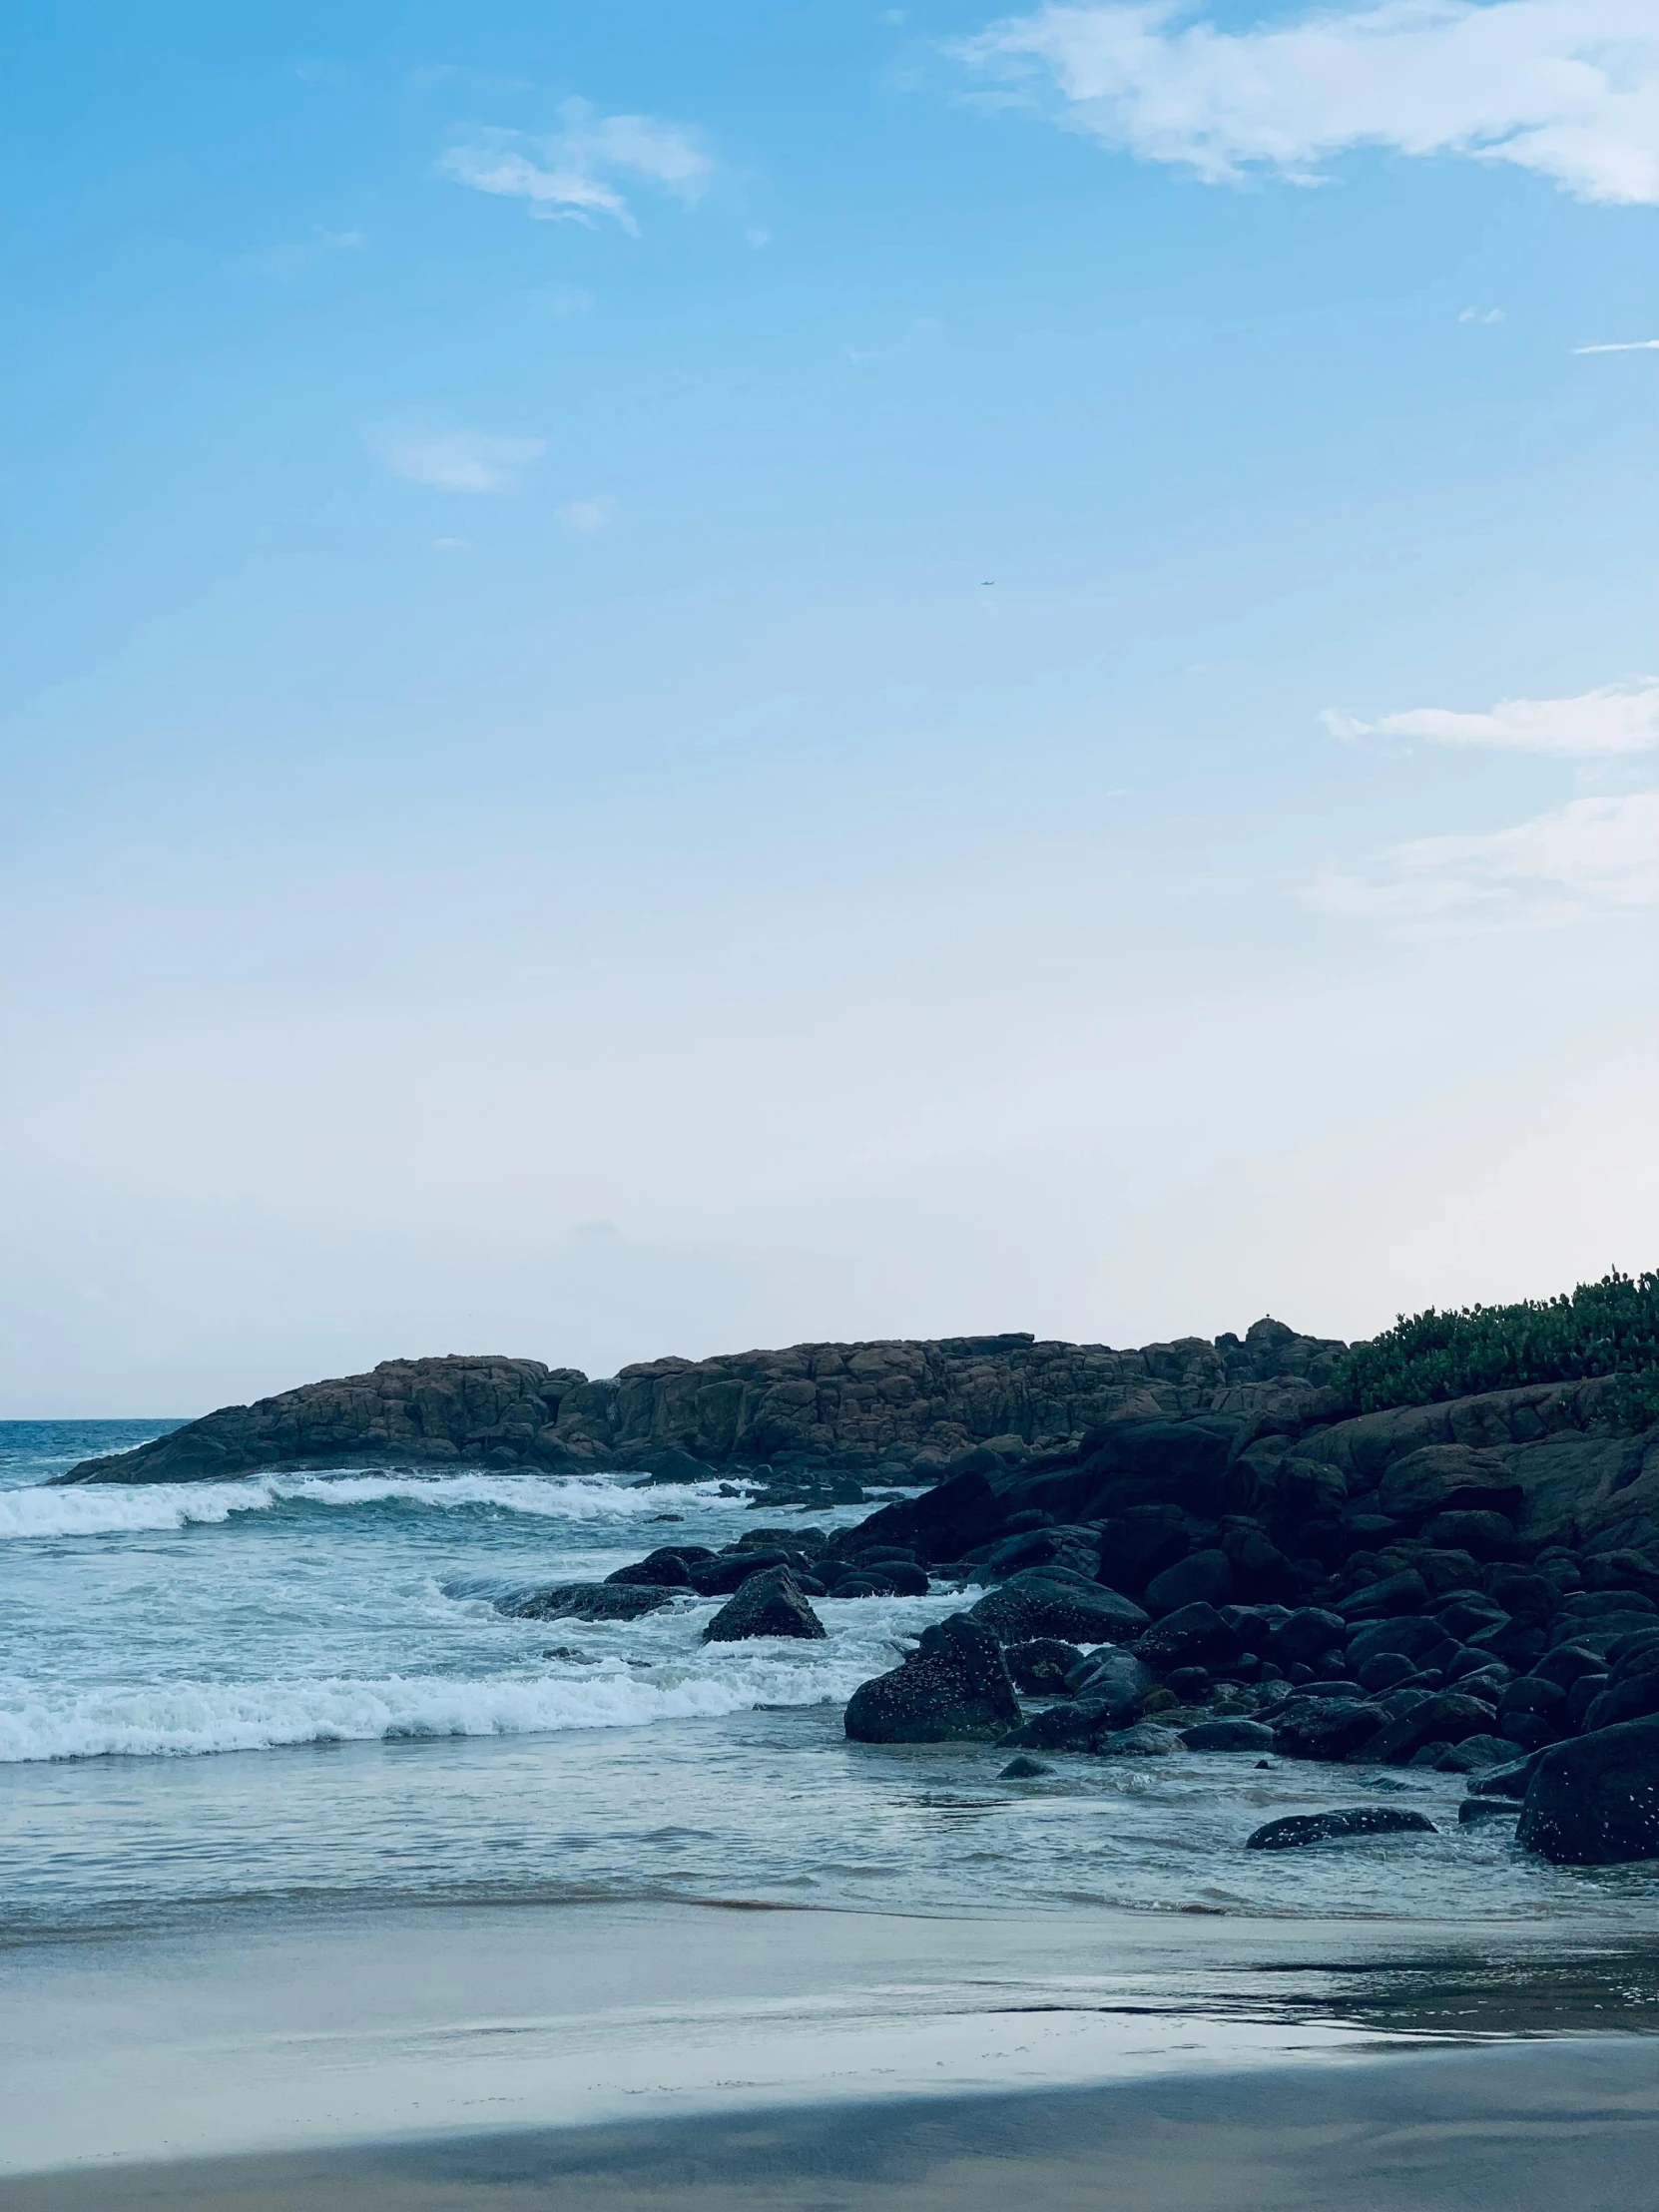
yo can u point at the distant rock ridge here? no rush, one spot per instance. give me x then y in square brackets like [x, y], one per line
[896, 1410]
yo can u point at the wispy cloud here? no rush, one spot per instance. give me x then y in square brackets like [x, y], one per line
[1568, 89]
[1627, 345]
[576, 174]
[1596, 856]
[1475, 314]
[458, 461]
[1621, 718]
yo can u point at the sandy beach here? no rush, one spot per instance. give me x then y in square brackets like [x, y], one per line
[1560, 2124]
[606, 2055]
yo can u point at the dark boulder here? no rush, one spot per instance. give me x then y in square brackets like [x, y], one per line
[770, 1603]
[1298, 1829]
[1467, 1614]
[1477, 1809]
[943, 1522]
[1023, 1769]
[1229, 1735]
[954, 1686]
[1305, 1635]
[1630, 1697]
[1511, 1781]
[1071, 1726]
[1595, 1802]
[659, 1570]
[1406, 1592]
[1114, 1679]
[719, 1576]
[1204, 1577]
[1324, 1728]
[1047, 1602]
[1475, 1754]
[1137, 1545]
[587, 1601]
[1487, 1535]
[1440, 1478]
[1195, 1635]
[668, 1463]
[1260, 1569]
[1040, 1668]
[1445, 1719]
[1416, 1637]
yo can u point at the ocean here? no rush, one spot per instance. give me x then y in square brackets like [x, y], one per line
[295, 1694]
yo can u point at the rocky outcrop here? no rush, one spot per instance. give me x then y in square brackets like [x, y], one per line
[899, 1410]
[953, 1687]
[768, 1603]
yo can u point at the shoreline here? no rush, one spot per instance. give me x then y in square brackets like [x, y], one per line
[1521, 2128]
[291, 2038]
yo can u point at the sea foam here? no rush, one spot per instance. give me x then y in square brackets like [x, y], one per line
[187, 1718]
[106, 1510]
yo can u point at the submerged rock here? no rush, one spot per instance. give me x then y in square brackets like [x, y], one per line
[1298, 1829]
[1023, 1769]
[770, 1603]
[954, 1686]
[1144, 1741]
[587, 1602]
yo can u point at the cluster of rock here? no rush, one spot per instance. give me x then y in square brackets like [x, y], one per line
[887, 1411]
[768, 1578]
[1409, 1623]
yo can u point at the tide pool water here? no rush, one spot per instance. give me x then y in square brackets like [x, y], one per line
[298, 1692]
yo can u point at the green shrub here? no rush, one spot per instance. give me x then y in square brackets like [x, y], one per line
[1605, 1328]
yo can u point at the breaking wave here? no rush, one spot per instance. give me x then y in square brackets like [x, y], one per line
[115, 1509]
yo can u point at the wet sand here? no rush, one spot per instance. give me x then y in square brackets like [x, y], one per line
[1567, 2126]
[611, 2055]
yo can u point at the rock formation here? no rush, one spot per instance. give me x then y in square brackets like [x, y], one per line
[894, 1411]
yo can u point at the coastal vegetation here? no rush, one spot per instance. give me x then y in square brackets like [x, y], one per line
[1610, 1328]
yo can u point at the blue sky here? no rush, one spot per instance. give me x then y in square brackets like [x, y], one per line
[692, 676]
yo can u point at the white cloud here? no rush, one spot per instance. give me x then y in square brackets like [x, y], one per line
[1629, 345]
[1474, 315]
[573, 175]
[1568, 89]
[459, 460]
[1621, 718]
[1596, 856]
[585, 516]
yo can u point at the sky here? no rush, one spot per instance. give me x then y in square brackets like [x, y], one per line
[682, 677]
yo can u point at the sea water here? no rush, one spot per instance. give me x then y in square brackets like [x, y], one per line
[300, 1692]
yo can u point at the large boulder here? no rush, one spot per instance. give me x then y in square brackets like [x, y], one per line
[1325, 1727]
[1051, 1602]
[1203, 1578]
[1229, 1735]
[1595, 1802]
[771, 1603]
[1439, 1478]
[1194, 1636]
[954, 1686]
[658, 1570]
